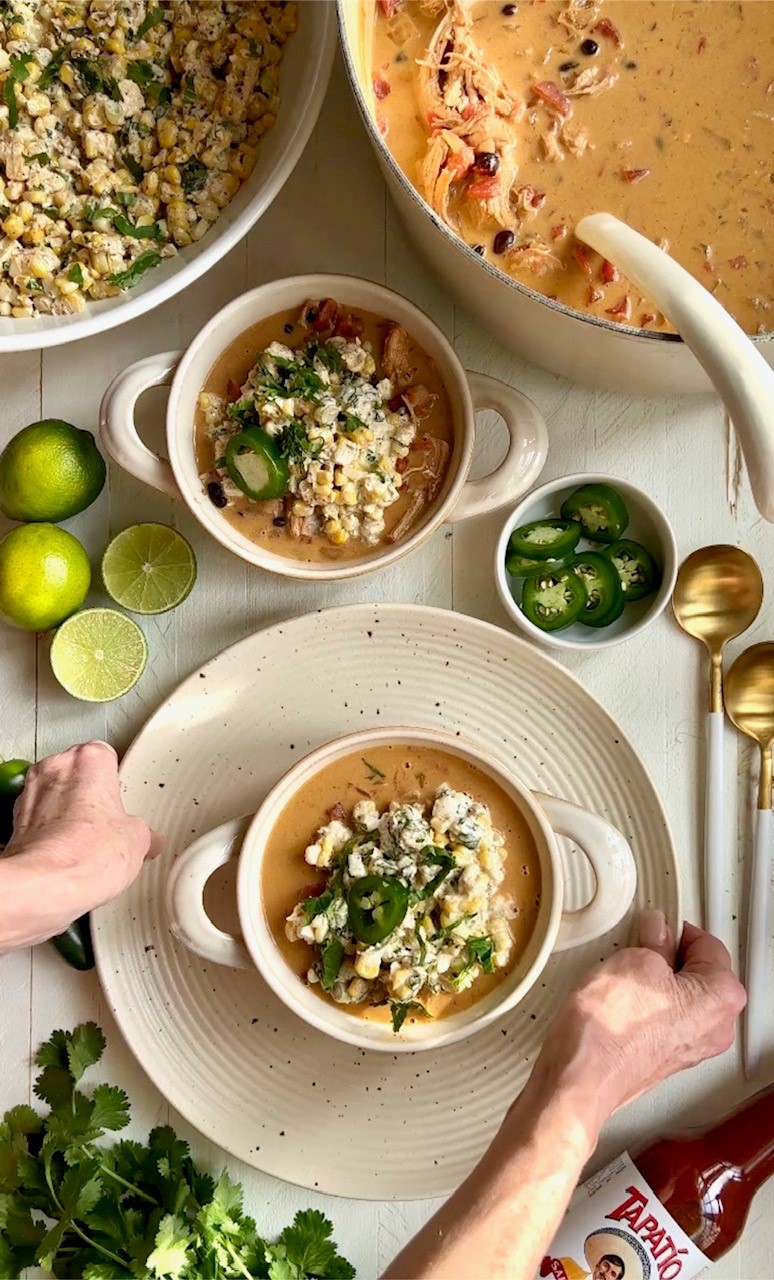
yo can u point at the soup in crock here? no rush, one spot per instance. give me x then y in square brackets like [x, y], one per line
[401, 885]
[514, 121]
[324, 436]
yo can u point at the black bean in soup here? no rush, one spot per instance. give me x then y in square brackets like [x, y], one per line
[503, 241]
[589, 47]
[216, 495]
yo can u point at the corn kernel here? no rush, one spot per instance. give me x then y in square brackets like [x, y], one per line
[25, 210]
[13, 226]
[150, 183]
[115, 42]
[349, 495]
[338, 537]
[38, 105]
[67, 76]
[34, 235]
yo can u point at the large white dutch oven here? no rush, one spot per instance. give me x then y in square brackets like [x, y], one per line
[581, 347]
[305, 71]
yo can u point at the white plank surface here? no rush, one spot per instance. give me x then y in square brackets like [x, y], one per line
[334, 215]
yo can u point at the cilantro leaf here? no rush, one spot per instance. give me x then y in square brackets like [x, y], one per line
[76, 274]
[171, 1255]
[331, 955]
[399, 1010]
[22, 1119]
[152, 18]
[49, 1246]
[308, 1245]
[54, 1085]
[126, 279]
[312, 907]
[52, 68]
[434, 857]
[81, 1188]
[85, 1047]
[480, 952]
[193, 174]
[110, 1109]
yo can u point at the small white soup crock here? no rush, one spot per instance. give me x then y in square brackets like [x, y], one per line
[187, 372]
[556, 929]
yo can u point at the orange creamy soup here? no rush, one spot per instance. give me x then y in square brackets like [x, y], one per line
[516, 120]
[401, 884]
[324, 436]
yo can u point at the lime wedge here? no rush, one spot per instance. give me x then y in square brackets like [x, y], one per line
[98, 655]
[148, 568]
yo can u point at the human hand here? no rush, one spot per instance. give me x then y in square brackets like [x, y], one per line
[70, 824]
[646, 1013]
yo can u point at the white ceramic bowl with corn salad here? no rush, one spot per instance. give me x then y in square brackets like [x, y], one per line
[554, 929]
[139, 142]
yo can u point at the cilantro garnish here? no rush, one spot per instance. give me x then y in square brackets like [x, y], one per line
[74, 1206]
[76, 274]
[349, 422]
[193, 174]
[93, 79]
[152, 18]
[374, 774]
[331, 956]
[134, 166]
[480, 952]
[294, 444]
[125, 279]
[52, 68]
[18, 70]
[434, 857]
[399, 1010]
[316, 906]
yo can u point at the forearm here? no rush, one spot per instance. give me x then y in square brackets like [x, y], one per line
[37, 899]
[500, 1222]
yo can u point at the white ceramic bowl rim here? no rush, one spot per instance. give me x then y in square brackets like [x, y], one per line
[170, 278]
[329, 1018]
[667, 551]
[630, 331]
[262, 302]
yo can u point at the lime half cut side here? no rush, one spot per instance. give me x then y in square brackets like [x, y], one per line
[148, 568]
[98, 655]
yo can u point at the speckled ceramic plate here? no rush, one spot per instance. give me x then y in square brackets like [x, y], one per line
[218, 1044]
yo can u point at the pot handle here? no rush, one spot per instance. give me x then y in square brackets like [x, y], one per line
[738, 371]
[526, 454]
[117, 428]
[188, 919]
[613, 865]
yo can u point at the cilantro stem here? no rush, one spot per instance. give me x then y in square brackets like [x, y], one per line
[235, 1258]
[130, 1186]
[94, 1245]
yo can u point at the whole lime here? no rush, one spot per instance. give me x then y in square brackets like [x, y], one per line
[44, 576]
[50, 470]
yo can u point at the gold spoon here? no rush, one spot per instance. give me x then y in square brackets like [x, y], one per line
[750, 704]
[718, 594]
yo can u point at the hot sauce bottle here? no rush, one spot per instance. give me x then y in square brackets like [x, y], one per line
[671, 1209]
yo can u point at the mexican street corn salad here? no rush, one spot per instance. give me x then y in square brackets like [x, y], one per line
[323, 432]
[411, 906]
[126, 126]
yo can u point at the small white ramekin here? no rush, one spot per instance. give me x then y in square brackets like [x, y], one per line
[647, 524]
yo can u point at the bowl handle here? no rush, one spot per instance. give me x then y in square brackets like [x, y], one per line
[117, 427]
[613, 865]
[190, 872]
[738, 371]
[526, 454]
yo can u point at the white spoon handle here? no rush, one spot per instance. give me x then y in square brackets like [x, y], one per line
[738, 371]
[758, 929]
[715, 844]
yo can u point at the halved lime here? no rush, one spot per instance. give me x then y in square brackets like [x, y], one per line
[98, 655]
[148, 568]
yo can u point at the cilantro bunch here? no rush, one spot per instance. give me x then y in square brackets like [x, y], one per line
[137, 1212]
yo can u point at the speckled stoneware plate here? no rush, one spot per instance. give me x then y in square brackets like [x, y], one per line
[218, 1044]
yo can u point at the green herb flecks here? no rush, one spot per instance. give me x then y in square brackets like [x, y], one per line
[400, 1009]
[76, 1207]
[134, 166]
[374, 774]
[18, 70]
[480, 951]
[76, 274]
[349, 422]
[51, 70]
[331, 956]
[40, 157]
[92, 78]
[152, 19]
[294, 444]
[193, 174]
[316, 906]
[434, 857]
[126, 279]
[328, 356]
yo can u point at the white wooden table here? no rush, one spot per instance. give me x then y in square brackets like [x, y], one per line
[334, 215]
